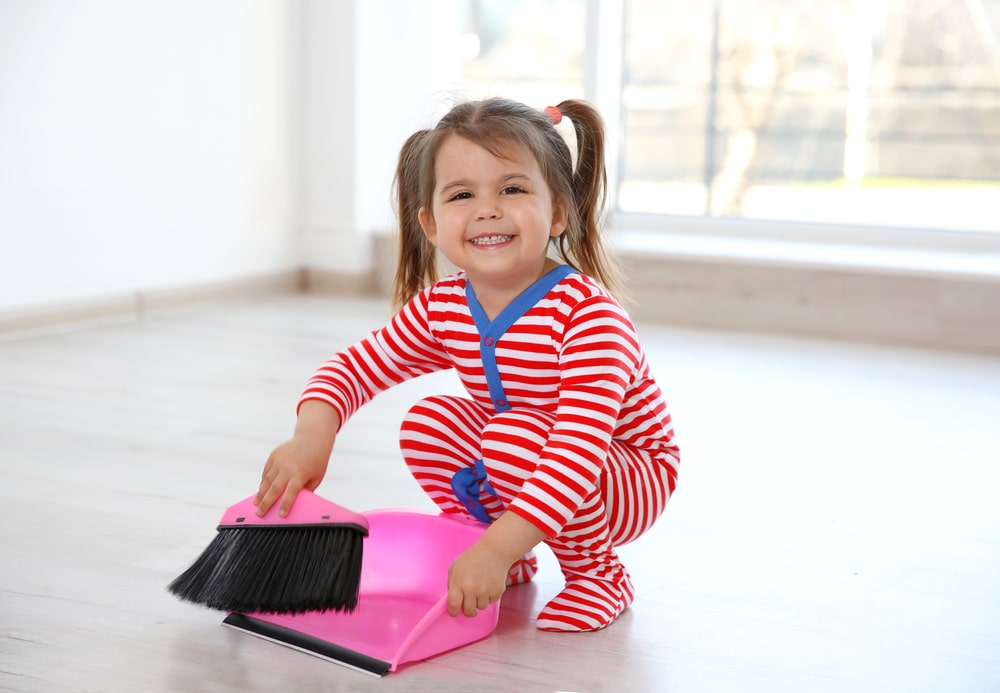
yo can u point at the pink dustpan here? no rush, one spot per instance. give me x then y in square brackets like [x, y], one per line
[402, 604]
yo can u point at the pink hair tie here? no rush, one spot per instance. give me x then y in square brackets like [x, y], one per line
[564, 126]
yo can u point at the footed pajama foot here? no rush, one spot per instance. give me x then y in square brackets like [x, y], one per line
[586, 604]
[523, 570]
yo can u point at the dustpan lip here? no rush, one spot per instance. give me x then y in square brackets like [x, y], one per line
[459, 517]
[310, 644]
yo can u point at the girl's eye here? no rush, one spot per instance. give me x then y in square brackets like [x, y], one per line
[512, 190]
[461, 196]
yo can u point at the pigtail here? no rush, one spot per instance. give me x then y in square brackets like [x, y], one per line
[584, 247]
[416, 262]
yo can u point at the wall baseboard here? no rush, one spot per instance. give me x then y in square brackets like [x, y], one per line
[339, 283]
[937, 312]
[139, 303]
[916, 310]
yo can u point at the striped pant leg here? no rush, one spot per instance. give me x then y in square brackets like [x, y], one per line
[439, 436]
[630, 496]
[636, 488]
[632, 492]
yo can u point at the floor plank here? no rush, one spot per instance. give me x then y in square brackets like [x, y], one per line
[835, 528]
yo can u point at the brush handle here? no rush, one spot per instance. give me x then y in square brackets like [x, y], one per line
[308, 509]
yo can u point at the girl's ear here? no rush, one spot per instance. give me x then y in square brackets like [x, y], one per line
[560, 217]
[426, 220]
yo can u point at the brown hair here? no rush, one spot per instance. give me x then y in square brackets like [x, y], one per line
[496, 124]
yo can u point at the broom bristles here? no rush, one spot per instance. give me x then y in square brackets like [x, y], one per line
[288, 570]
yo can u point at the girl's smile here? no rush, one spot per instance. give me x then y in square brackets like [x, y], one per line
[491, 241]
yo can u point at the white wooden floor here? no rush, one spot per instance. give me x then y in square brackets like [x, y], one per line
[836, 526]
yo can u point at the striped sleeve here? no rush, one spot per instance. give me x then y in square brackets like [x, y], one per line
[599, 359]
[403, 349]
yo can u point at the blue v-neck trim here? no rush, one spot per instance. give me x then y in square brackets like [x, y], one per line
[490, 331]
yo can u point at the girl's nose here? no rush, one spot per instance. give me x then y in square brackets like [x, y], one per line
[487, 209]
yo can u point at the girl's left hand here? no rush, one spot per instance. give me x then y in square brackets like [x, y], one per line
[476, 579]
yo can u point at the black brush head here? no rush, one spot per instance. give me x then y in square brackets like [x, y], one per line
[276, 570]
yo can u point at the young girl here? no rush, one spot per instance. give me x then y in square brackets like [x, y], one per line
[564, 438]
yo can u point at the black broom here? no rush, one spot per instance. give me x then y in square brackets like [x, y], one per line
[309, 560]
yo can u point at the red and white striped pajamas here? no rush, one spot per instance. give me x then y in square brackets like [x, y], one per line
[572, 429]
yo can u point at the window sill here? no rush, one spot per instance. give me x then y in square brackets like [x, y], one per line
[872, 250]
[933, 290]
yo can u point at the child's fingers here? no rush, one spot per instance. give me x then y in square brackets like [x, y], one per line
[468, 603]
[455, 595]
[461, 603]
[288, 498]
[471, 585]
[454, 603]
[274, 490]
[262, 490]
[265, 484]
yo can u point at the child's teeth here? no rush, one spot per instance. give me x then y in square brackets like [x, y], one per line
[491, 240]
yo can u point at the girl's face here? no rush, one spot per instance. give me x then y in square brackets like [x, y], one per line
[492, 217]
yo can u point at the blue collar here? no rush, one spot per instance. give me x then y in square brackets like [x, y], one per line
[490, 331]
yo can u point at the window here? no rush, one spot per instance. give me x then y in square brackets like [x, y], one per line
[525, 49]
[862, 112]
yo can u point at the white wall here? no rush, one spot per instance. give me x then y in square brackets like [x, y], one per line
[145, 145]
[331, 237]
[150, 145]
[375, 71]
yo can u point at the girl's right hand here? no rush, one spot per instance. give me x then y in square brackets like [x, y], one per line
[294, 465]
[299, 463]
